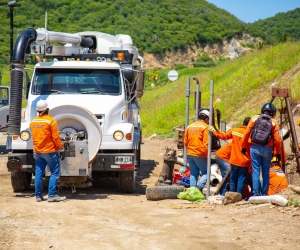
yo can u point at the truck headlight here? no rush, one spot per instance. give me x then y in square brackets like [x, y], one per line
[25, 135]
[118, 135]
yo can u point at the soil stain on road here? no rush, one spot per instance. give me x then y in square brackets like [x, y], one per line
[103, 218]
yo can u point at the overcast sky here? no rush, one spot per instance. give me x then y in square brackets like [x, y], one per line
[250, 11]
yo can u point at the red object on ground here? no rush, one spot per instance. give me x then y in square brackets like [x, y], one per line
[177, 176]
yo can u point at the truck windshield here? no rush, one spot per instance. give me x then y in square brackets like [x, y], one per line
[76, 81]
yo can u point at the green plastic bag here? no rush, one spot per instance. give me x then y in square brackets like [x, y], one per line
[191, 194]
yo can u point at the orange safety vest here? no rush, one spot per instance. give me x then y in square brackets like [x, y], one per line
[224, 152]
[45, 134]
[278, 180]
[196, 139]
[236, 157]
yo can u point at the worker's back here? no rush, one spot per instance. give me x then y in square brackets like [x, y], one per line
[278, 180]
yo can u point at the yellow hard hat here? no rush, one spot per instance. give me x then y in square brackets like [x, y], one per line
[274, 159]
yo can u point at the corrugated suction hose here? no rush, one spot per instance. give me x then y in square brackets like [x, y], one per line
[15, 108]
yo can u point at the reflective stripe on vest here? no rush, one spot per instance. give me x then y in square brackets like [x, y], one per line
[197, 126]
[237, 134]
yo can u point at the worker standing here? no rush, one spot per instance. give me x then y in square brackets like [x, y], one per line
[196, 143]
[239, 162]
[222, 159]
[263, 143]
[46, 142]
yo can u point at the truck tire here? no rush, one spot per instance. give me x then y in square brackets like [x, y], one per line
[20, 181]
[127, 181]
[163, 192]
[138, 157]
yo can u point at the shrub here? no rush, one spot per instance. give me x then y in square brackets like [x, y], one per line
[208, 64]
[180, 66]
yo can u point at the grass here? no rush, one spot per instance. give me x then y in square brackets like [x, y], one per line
[293, 202]
[242, 86]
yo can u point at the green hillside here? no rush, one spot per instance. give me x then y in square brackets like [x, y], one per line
[155, 26]
[281, 26]
[242, 86]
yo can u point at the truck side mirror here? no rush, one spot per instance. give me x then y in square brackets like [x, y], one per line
[140, 83]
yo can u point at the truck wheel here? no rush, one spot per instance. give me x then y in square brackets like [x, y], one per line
[163, 192]
[138, 157]
[20, 181]
[127, 181]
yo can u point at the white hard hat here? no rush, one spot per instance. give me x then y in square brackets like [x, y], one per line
[41, 105]
[205, 112]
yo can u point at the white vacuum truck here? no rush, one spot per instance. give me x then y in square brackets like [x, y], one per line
[91, 84]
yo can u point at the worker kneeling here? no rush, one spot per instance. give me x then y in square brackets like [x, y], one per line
[278, 180]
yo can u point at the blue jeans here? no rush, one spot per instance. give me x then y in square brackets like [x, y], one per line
[41, 161]
[224, 166]
[238, 178]
[261, 159]
[197, 164]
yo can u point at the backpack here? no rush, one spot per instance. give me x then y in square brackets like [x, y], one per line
[262, 130]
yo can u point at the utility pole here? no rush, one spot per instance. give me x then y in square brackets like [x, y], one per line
[11, 6]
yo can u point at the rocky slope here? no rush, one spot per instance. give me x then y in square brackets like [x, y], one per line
[230, 48]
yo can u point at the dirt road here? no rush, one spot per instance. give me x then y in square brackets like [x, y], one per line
[103, 218]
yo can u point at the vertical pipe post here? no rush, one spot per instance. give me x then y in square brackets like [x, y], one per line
[197, 98]
[187, 107]
[46, 20]
[210, 136]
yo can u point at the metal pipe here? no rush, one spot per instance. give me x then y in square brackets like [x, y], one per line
[197, 97]
[11, 9]
[187, 106]
[210, 135]
[224, 181]
[44, 36]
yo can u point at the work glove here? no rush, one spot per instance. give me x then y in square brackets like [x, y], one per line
[182, 169]
[244, 151]
[278, 157]
[211, 129]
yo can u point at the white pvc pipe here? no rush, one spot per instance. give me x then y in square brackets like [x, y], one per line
[180, 161]
[44, 36]
[214, 171]
[274, 199]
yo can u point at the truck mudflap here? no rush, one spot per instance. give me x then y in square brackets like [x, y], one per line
[20, 162]
[113, 162]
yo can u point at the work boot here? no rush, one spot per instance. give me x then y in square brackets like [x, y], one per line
[56, 198]
[39, 199]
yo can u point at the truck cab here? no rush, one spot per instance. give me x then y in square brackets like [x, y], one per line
[92, 91]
